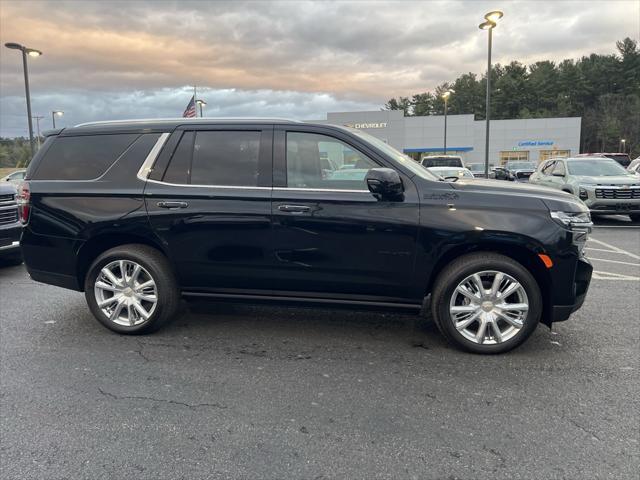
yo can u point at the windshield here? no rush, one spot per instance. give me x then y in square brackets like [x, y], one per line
[596, 168]
[521, 166]
[395, 154]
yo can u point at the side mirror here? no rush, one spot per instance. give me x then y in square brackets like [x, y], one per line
[385, 184]
[452, 178]
[557, 174]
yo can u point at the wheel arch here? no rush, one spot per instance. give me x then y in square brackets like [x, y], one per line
[93, 247]
[527, 257]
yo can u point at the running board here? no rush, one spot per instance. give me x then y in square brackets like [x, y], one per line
[308, 300]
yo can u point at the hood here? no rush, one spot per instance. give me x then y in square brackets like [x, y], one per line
[7, 188]
[552, 198]
[610, 180]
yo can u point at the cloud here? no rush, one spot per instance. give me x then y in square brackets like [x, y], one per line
[323, 54]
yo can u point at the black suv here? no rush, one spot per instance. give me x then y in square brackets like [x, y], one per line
[138, 214]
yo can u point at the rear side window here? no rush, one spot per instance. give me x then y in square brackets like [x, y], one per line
[225, 157]
[82, 158]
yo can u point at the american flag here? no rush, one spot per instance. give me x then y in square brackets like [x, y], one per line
[190, 111]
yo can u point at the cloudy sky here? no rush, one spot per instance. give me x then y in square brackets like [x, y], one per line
[112, 59]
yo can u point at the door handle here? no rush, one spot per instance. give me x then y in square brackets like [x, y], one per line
[173, 205]
[294, 208]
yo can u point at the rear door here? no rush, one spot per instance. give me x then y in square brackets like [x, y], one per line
[332, 238]
[209, 201]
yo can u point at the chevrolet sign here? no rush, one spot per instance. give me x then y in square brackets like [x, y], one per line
[366, 125]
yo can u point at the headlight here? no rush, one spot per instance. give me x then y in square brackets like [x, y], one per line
[578, 222]
[583, 194]
[573, 219]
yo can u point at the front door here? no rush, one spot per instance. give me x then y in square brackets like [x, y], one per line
[332, 237]
[209, 201]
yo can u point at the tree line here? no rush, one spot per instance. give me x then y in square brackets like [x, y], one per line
[602, 89]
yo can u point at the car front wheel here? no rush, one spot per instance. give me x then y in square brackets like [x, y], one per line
[486, 303]
[131, 289]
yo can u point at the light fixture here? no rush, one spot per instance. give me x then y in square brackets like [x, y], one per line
[494, 16]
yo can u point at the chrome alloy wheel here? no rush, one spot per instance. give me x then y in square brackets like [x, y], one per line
[126, 293]
[489, 307]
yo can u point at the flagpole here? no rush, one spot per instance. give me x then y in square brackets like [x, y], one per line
[194, 99]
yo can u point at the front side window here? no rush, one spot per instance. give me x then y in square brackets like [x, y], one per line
[546, 170]
[321, 162]
[559, 169]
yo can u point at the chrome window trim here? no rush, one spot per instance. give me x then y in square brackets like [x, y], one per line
[296, 189]
[243, 187]
[145, 168]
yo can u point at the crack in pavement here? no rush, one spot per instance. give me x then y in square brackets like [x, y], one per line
[161, 400]
[585, 430]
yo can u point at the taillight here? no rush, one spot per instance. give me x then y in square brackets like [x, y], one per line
[24, 202]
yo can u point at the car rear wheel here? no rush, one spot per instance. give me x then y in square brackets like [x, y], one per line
[635, 217]
[131, 289]
[486, 303]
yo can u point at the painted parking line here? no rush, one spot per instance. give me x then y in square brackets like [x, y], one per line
[598, 275]
[614, 261]
[614, 249]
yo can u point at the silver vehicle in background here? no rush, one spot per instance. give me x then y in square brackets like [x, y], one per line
[451, 173]
[634, 166]
[14, 177]
[601, 183]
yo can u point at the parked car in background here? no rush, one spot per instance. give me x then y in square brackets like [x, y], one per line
[139, 214]
[622, 158]
[499, 173]
[10, 226]
[449, 173]
[601, 183]
[634, 166]
[478, 169]
[519, 171]
[14, 177]
[442, 161]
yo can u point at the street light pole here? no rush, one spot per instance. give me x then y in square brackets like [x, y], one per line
[488, 107]
[38, 118]
[490, 23]
[53, 116]
[623, 143]
[33, 53]
[446, 96]
[201, 103]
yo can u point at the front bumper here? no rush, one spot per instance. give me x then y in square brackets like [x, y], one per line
[580, 287]
[10, 239]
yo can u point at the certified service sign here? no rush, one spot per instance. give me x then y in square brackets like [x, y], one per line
[535, 143]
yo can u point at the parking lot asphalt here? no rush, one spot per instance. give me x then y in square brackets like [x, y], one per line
[240, 391]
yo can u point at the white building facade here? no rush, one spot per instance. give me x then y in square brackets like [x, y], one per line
[527, 139]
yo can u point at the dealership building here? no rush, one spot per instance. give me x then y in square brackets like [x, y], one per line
[528, 139]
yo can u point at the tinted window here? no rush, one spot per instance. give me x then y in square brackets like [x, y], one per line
[180, 166]
[228, 158]
[82, 158]
[320, 161]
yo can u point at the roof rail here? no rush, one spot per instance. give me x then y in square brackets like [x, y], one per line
[182, 119]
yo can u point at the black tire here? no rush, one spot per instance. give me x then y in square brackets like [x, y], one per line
[158, 267]
[467, 265]
[635, 217]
